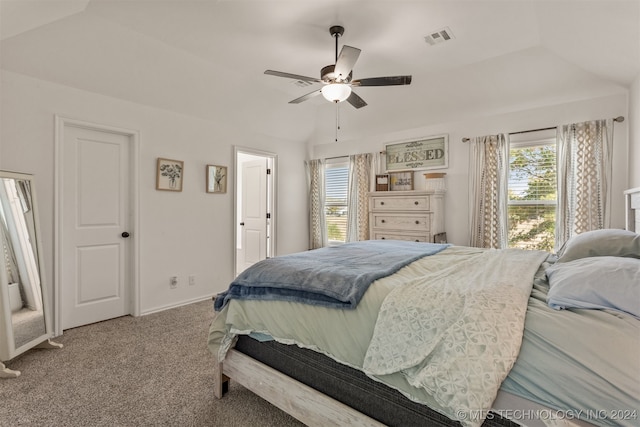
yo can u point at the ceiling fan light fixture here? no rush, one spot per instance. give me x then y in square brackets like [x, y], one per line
[336, 92]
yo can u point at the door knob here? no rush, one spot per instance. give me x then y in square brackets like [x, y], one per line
[242, 223]
[125, 234]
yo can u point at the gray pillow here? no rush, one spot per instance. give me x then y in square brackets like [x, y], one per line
[606, 242]
[598, 283]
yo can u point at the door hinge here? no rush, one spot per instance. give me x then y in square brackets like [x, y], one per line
[268, 171]
[268, 215]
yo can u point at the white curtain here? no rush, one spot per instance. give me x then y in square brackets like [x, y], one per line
[378, 164]
[488, 186]
[317, 219]
[584, 178]
[360, 167]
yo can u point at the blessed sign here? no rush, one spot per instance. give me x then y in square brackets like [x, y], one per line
[427, 153]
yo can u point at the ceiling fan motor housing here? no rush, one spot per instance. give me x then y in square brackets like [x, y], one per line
[328, 75]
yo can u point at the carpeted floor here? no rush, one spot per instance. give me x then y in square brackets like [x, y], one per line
[152, 370]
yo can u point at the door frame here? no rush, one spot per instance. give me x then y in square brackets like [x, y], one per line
[61, 123]
[272, 200]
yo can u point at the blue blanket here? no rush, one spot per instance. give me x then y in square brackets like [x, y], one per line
[336, 276]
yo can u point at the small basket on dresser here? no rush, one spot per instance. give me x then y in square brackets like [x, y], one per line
[435, 181]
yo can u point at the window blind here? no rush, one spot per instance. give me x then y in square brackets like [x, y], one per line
[336, 206]
[532, 195]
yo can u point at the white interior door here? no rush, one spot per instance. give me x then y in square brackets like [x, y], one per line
[255, 206]
[253, 218]
[95, 248]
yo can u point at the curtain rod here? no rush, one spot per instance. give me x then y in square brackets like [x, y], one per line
[616, 119]
[532, 130]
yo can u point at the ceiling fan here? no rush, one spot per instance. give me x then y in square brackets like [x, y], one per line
[338, 78]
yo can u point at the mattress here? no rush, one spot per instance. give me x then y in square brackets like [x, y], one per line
[348, 385]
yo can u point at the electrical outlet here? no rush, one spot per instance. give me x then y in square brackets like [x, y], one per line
[192, 280]
[173, 282]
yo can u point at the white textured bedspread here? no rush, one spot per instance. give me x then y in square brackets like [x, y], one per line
[457, 332]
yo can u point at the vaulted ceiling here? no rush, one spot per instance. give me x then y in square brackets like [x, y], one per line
[206, 58]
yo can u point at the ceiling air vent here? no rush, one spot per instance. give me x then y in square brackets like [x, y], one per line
[301, 83]
[439, 36]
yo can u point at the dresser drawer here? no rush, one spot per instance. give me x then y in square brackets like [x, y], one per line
[417, 222]
[396, 235]
[400, 203]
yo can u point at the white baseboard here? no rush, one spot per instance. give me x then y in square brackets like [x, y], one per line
[178, 304]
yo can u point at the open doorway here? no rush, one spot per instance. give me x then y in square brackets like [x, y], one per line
[254, 207]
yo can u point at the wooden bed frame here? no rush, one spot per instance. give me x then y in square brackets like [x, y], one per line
[298, 400]
[312, 407]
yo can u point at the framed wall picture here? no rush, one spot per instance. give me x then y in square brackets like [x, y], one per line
[425, 153]
[401, 181]
[216, 179]
[169, 174]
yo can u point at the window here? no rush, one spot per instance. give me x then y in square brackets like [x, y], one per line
[532, 192]
[336, 182]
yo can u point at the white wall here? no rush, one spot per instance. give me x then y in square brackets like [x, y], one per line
[634, 134]
[201, 224]
[456, 199]
[195, 225]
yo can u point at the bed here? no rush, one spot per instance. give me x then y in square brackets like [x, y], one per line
[505, 337]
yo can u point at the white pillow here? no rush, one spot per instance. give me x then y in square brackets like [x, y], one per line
[606, 242]
[597, 282]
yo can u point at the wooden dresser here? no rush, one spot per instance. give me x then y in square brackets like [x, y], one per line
[406, 215]
[632, 211]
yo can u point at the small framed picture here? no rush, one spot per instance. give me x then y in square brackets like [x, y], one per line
[401, 181]
[216, 179]
[169, 174]
[382, 182]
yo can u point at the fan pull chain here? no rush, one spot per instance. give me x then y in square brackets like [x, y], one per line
[337, 119]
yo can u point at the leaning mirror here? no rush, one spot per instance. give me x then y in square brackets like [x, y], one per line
[24, 307]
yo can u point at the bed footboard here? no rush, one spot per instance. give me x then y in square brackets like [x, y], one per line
[298, 400]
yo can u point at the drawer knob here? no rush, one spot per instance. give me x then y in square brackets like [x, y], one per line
[383, 238]
[416, 203]
[417, 240]
[382, 221]
[417, 222]
[382, 203]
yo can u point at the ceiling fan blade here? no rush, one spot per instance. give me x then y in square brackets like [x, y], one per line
[305, 97]
[356, 101]
[292, 76]
[383, 81]
[345, 62]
